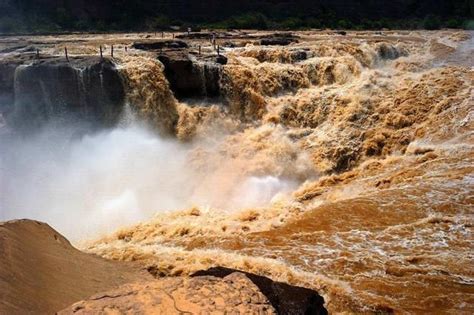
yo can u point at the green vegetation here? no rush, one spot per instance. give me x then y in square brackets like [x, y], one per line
[259, 21]
[246, 21]
[28, 16]
[432, 22]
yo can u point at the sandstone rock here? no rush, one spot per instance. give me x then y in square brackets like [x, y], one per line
[234, 294]
[157, 45]
[41, 272]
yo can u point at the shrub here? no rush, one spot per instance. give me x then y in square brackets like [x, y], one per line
[249, 21]
[432, 22]
[158, 23]
[10, 25]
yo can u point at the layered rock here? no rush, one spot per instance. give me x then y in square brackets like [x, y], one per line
[7, 75]
[190, 77]
[86, 88]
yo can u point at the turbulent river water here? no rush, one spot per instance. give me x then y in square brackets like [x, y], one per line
[349, 171]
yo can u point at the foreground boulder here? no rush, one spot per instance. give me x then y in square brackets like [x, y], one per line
[233, 294]
[41, 272]
[285, 299]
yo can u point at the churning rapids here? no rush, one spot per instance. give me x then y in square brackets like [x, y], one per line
[339, 163]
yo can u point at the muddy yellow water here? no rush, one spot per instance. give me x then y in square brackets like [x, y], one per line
[371, 138]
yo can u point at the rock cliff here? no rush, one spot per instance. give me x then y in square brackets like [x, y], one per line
[85, 88]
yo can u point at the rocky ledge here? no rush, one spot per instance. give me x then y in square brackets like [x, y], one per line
[84, 88]
[42, 273]
[192, 76]
[234, 294]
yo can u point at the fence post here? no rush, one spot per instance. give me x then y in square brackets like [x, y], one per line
[65, 52]
[112, 51]
[199, 50]
[218, 50]
[37, 53]
[100, 48]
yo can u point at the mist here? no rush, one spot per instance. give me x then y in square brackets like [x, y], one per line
[86, 185]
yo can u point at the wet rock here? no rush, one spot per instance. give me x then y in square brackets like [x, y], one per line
[284, 298]
[221, 59]
[190, 77]
[299, 55]
[157, 45]
[277, 41]
[229, 44]
[234, 294]
[390, 52]
[7, 75]
[87, 89]
[195, 35]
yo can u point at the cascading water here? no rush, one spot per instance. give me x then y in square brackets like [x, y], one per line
[346, 169]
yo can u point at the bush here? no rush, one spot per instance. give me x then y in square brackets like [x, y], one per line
[82, 25]
[63, 18]
[248, 21]
[468, 25]
[158, 23]
[432, 22]
[313, 23]
[10, 25]
[453, 23]
[344, 24]
[292, 23]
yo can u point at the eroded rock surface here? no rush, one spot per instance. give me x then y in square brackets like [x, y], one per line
[189, 77]
[233, 294]
[86, 88]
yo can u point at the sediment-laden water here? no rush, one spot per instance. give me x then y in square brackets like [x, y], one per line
[341, 164]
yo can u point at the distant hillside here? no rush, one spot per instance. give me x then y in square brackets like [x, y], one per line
[56, 15]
